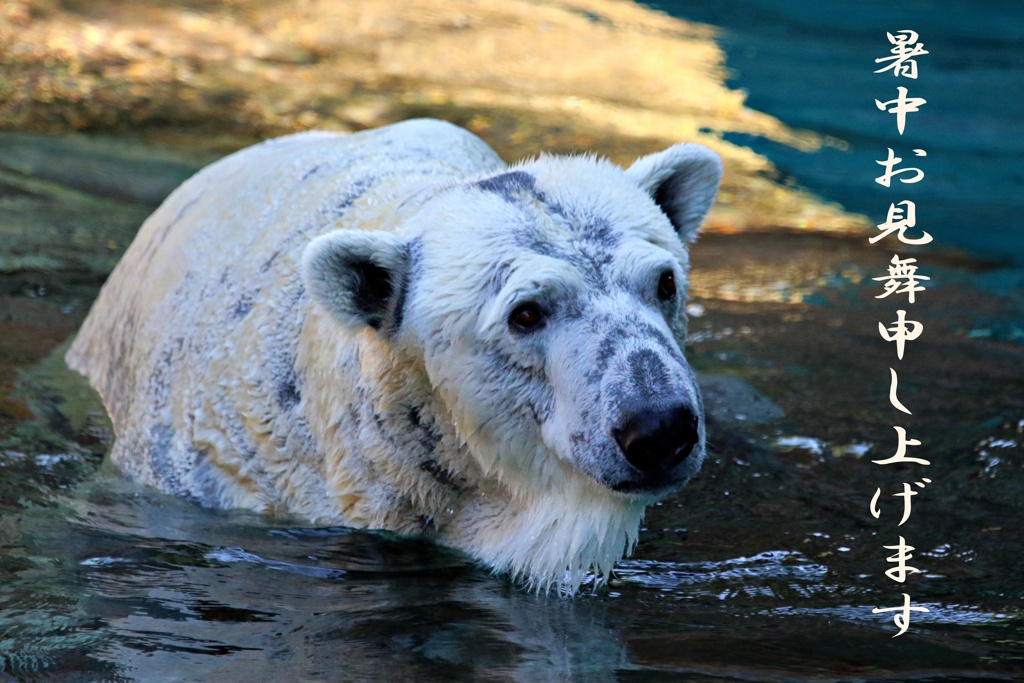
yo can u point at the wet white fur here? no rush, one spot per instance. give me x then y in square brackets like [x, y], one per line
[228, 382]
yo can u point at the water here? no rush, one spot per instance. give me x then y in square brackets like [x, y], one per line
[765, 569]
[129, 585]
[812, 65]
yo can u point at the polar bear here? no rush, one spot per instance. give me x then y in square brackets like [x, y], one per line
[395, 330]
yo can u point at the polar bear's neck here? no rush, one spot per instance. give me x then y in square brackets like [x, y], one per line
[548, 538]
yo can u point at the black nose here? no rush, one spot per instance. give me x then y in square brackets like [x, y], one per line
[655, 441]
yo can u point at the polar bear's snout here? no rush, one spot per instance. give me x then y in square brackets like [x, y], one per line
[656, 441]
[652, 432]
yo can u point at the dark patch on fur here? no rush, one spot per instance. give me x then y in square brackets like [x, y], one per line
[498, 278]
[265, 266]
[500, 363]
[608, 346]
[242, 307]
[396, 309]
[429, 437]
[287, 392]
[160, 460]
[280, 346]
[589, 249]
[666, 342]
[610, 343]
[439, 473]
[650, 378]
[571, 309]
[159, 238]
[159, 386]
[237, 434]
[357, 190]
[207, 483]
[509, 185]
[310, 172]
[354, 416]
[531, 240]
[599, 230]
[181, 214]
[297, 294]
[592, 239]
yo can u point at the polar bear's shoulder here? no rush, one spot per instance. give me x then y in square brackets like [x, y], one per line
[220, 254]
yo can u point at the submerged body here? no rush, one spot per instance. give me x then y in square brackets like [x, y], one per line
[394, 330]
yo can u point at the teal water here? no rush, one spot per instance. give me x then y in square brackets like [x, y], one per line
[811, 64]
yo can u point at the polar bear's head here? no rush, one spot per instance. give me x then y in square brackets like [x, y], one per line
[546, 305]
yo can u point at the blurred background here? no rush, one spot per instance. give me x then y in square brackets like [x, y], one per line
[768, 566]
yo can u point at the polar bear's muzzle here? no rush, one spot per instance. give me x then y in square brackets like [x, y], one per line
[649, 438]
[656, 441]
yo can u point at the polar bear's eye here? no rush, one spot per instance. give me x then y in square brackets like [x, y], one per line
[667, 286]
[526, 317]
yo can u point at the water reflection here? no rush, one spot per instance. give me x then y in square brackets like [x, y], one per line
[186, 594]
[117, 581]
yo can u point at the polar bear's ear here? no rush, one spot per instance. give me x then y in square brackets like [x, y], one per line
[358, 276]
[683, 181]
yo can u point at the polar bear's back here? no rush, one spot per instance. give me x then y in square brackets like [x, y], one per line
[210, 288]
